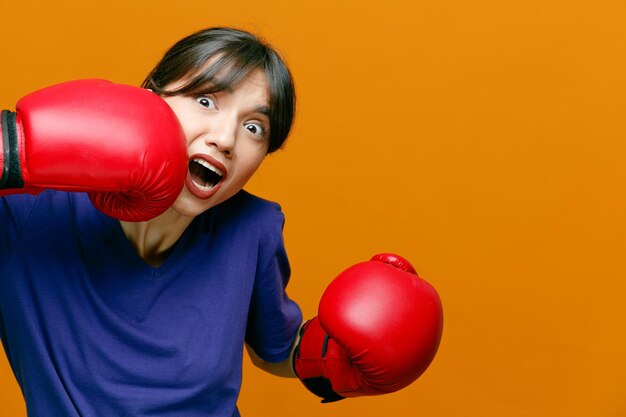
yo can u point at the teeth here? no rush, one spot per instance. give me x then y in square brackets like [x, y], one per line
[206, 187]
[208, 166]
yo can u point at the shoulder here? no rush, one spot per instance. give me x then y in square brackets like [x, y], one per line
[49, 202]
[46, 220]
[246, 222]
[252, 211]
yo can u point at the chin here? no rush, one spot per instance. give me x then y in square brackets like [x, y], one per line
[189, 206]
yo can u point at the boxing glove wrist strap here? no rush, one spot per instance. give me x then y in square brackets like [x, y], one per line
[315, 381]
[11, 171]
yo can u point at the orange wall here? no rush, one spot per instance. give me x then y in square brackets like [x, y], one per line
[483, 140]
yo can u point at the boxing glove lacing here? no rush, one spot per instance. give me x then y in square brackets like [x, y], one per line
[319, 385]
[11, 176]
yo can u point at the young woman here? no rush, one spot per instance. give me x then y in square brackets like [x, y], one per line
[137, 297]
[101, 317]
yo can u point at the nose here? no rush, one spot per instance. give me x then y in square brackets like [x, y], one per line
[222, 134]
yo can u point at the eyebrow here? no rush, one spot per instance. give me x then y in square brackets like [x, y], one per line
[263, 110]
[214, 88]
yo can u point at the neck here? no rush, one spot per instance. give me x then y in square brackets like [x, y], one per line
[153, 240]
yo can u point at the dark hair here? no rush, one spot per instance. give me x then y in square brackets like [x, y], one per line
[237, 54]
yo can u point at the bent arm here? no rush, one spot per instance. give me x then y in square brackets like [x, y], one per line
[283, 369]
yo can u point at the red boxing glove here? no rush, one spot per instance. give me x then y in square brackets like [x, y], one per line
[122, 144]
[378, 328]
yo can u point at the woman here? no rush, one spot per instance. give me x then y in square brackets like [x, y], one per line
[101, 317]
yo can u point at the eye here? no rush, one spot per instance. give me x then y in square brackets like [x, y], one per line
[256, 129]
[205, 101]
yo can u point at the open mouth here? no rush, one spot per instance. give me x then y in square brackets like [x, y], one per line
[204, 175]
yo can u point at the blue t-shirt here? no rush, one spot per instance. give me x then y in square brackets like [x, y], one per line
[90, 329]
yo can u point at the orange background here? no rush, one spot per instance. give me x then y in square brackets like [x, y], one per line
[483, 140]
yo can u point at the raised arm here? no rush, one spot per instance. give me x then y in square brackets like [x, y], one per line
[122, 144]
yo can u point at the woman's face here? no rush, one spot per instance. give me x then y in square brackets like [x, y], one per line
[227, 139]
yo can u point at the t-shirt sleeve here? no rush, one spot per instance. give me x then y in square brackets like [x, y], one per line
[14, 212]
[274, 318]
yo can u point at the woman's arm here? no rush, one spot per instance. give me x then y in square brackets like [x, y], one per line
[283, 369]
